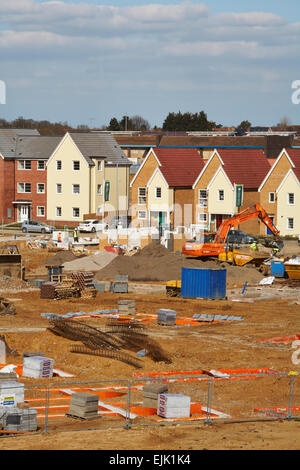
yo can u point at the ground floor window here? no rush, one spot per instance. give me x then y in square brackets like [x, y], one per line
[290, 223]
[58, 212]
[76, 212]
[142, 215]
[40, 211]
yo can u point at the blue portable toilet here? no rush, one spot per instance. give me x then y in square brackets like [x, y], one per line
[277, 269]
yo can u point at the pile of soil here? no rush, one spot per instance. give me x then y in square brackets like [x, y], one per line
[60, 258]
[13, 284]
[157, 263]
[90, 263]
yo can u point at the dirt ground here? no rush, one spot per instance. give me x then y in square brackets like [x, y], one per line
[223, 345]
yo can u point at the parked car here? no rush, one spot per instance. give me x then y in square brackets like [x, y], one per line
[123, 221]
[34, 226]
[92, 225]
[238, 236]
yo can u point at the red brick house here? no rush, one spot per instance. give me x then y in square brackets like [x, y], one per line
[30, 177]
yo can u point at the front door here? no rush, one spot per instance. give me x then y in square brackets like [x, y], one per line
[268, 230]
[23, 213]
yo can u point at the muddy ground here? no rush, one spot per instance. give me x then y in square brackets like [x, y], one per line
[223, 345]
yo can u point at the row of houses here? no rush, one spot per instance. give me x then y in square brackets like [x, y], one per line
[63, 180]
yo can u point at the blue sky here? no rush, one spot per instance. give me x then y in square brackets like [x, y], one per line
[87, 61]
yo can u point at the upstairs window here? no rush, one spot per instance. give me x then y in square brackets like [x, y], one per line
[291, 199]
[271, 197]
[24, 187]
[99, 165]
[76, 188]
[24, 165]
[58, 188]
[41, 188]
[158, 193]
[142, 198]
[76, 165]
[221, 194]
[40, 164]
[202, 198]
[58, 164]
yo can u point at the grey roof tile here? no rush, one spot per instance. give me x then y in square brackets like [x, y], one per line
[99, 145]
[9, 139]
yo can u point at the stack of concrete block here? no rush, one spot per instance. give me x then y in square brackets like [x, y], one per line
[83, 405]
[37, 367]
[174, 405]
[126, 307]
[11, 392]
[16, 419]
[8, 377]
[120, 285]
[151, 393]
[166, 316]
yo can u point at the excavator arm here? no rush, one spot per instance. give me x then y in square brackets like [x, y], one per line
[217, 246]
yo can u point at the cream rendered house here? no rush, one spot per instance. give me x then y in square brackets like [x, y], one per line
[160, 199]
[86, 174]
[221, 198]
[288, 204]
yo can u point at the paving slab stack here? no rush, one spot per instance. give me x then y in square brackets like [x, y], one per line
[83, 405]
[166, 317]
[37, 367]
[126, 307]
[151, 393]
[17, 419]
[120, 284]
[174, 405]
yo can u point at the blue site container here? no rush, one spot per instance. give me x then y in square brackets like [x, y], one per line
[203, 283]
[277, 269]
[54, 270]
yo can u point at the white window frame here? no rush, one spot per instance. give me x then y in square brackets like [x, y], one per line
[139, 215]
[37, 211]
[56, 211]
[273, 195]
[73, 165]
[75, 216]
[205, 218]
[23, 167]
[156, 196]
[99, 186]
[37, 165]
[201, 200]
[219, 195]
[57, 162]
[74, 192]
[24, 188]
[288, 199]
[37, 188]
[58, 184]
[144, 197]
[99, 165]
[287, 223]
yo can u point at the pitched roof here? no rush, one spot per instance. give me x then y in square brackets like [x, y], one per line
[294, 155]
[99, 145]
[37, 147]
[245, 166]
[10, 139]
[180, 167]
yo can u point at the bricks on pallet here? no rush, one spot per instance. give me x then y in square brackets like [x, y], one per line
[47, 290]
[8, 377]
[166, 316]
[83, 405]
[37, 367]
[173, 405]
[16, 419]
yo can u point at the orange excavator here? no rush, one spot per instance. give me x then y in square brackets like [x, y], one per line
[215, 248]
